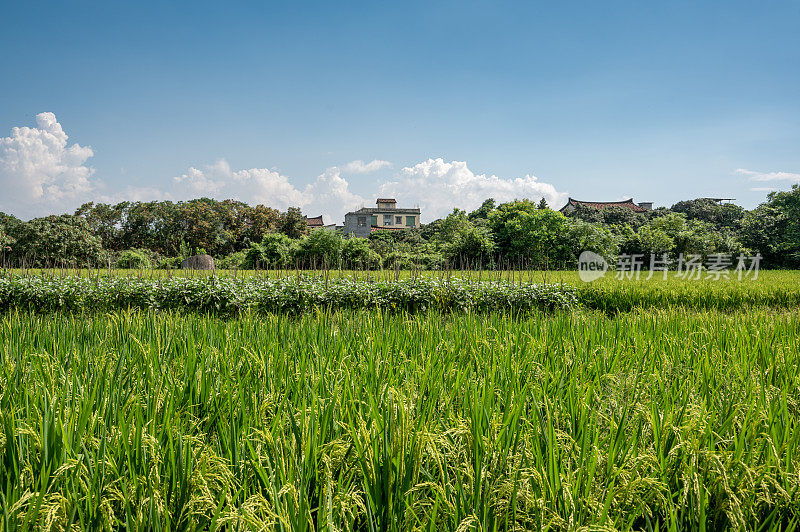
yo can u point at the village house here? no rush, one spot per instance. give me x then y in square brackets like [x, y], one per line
[386, 216]
[626, 204]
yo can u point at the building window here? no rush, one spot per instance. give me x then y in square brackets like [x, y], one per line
[373, 220]
[398, 220]
[410, 221]
[387, 219]
[362, 221]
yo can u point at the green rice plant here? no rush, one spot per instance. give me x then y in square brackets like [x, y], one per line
[369, 420]
[777, 290]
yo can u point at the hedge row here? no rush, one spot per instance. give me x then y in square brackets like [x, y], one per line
[286, 295]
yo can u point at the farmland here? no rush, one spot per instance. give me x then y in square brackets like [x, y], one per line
[236, 289]
[666, 404]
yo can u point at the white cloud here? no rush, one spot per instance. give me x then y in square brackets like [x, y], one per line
[329, 194]
[41, 174]
[769, 176]
[360, 167]
[133, 193]
[763, 189]
[206, 181]
[435, 185]
[439, 187]
[254, 185]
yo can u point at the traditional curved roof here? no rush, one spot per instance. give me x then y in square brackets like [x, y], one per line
[625, 204]
[315, 221]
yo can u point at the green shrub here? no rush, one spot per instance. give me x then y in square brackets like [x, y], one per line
[234, 261]
[134, 259]
[321, 248]
[168, 263]
[287, 294]
[357, 254]
[274, 250]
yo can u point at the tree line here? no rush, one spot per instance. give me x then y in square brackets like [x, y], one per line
[520, 233]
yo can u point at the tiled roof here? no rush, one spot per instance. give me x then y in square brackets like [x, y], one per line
[315, 221]
[626, 204]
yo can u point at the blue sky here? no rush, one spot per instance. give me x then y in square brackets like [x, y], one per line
[272, 102]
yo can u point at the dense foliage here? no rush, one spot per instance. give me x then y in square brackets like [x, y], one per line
[288, 293]
[516, 234]
[284, 295]
[44, 242]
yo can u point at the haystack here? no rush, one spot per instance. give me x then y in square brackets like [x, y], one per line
[198, 262]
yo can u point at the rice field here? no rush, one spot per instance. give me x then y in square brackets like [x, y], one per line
[650, 419]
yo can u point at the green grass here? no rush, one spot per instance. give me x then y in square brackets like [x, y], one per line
[657, 420]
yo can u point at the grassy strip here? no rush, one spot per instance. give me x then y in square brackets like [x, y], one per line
[725, 296]
[373, 421]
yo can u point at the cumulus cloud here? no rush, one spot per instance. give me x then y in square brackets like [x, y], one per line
[360, 167]
[769, 176]
[329, 194]
[40, 173]
[435, 185]
[254, 185]
[134, 193]
[439, 187]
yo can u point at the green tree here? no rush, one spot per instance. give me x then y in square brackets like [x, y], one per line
[524, 232]
[7, 222]
[104, 221]
[261, 221]
[708, 210]
[648, 240]
[581, 236]
[357, 253]
[55, 241]
[450, 226]
[689, 237]
[293, 223]
[320, 248]
[480, 215]
[275, 249]
[621, 216]
[773, 229]
[470, 247]
[5, 241]
[586, 213]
